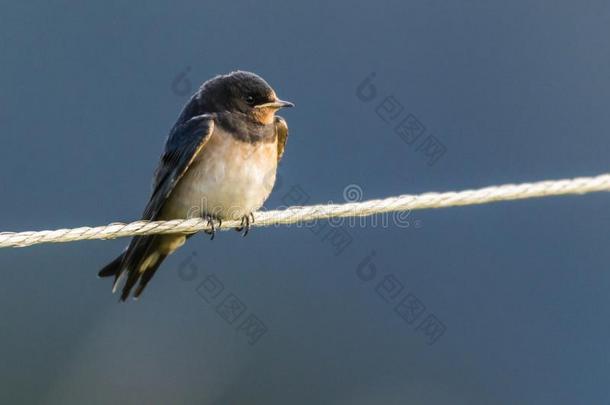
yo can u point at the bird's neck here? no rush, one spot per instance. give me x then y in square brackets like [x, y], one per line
[245, 128]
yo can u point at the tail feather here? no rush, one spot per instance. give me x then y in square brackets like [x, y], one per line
[148, 274]
[139, 262]
[113, 268]
[143, 272]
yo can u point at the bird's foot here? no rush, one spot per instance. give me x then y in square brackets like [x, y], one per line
[212, 225]
[246, 220]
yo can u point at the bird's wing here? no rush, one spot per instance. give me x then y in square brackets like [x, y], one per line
[182, 147]
[281, 128]
[184, 143]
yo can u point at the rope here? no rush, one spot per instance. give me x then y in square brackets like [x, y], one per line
[291, 215]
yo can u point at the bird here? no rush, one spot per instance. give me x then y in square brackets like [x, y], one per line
[219, 163]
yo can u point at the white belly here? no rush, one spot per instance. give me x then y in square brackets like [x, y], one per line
[229, 179]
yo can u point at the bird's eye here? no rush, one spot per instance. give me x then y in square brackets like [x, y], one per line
[250, 100]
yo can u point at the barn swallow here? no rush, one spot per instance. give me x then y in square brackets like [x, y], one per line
[220, 157]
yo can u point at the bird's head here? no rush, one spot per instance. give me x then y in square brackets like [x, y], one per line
[242, 92]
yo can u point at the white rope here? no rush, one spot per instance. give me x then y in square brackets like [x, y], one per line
[291, 215]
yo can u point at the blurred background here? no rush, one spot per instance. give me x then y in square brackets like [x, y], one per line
[503, 303]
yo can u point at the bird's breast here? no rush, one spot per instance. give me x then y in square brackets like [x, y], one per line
[229, 179]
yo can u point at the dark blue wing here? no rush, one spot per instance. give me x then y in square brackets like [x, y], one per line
[182, 147]
[281, 129]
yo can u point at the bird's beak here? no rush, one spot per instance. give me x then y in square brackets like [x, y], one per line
[276, 104]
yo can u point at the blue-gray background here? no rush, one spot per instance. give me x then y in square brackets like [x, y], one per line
[516, 91]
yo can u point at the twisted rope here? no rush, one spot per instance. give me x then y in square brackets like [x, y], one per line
[291, 215]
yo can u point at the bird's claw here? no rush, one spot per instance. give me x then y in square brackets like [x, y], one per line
[212, 225]
[246, 220]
